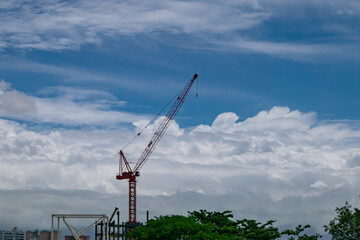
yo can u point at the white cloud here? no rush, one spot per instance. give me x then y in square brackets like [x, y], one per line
[278, 163]
[58, 159]
[14, 103]
[70, 74]
[290, 50]
[277, 140]
[354, 161]
[319, 185]
[62, 25]
[68, 106]
[4, 86]
[56, 25]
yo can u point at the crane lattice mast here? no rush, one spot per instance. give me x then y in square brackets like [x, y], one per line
[125, 170]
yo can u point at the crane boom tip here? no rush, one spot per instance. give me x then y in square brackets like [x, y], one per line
[195, 76]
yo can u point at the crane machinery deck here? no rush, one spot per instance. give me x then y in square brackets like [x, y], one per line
[125, 170]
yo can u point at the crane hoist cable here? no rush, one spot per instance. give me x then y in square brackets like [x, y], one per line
[157, 116]
[197, 87]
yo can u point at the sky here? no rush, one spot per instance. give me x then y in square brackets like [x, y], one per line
[274, 133]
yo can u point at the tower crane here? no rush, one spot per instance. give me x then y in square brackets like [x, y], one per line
[125, 170]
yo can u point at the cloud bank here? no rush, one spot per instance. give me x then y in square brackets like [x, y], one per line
[279, 164]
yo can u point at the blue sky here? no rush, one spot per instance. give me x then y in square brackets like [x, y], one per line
[278, 89]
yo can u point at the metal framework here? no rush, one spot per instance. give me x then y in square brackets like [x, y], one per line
[126, 172]
[99, 218]
[117, 230]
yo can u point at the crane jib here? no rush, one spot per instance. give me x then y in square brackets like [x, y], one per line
[131, 174]
[164, 125]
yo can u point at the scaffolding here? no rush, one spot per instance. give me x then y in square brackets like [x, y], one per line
[117, 230]
[105, 228]
[101, 219]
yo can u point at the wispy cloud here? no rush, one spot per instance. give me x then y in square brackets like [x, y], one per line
[71, 74]
[289, 50]
[56, 25]
[66, 106]
[61, 25]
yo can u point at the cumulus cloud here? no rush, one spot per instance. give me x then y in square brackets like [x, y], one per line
[59, 105]
[56, 159]
[279, 164]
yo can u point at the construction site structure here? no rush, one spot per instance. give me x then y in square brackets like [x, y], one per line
[116, 230]
[82, 237]
[105, 228]
[125, 170]
[77, 234]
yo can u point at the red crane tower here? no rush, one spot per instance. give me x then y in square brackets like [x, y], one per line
[125, 170]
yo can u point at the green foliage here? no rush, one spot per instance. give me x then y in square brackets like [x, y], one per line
[204, 225]
[253, 230]
[219, 221]
[247, 229]
[346, 225]
[295, 234]
[174, 228]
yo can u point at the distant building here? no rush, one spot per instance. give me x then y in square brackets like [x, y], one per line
[14, 234]
[42, 235]
[46, 235]
[32, 235]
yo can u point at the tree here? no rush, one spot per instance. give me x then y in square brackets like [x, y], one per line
[253, 230]
[241, 229]
[174, 228]
[219, 222]
[248, 229]
[296, 234]
[346, 225]
[204, 225]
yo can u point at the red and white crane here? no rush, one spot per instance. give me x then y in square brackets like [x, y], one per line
[125, 170]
